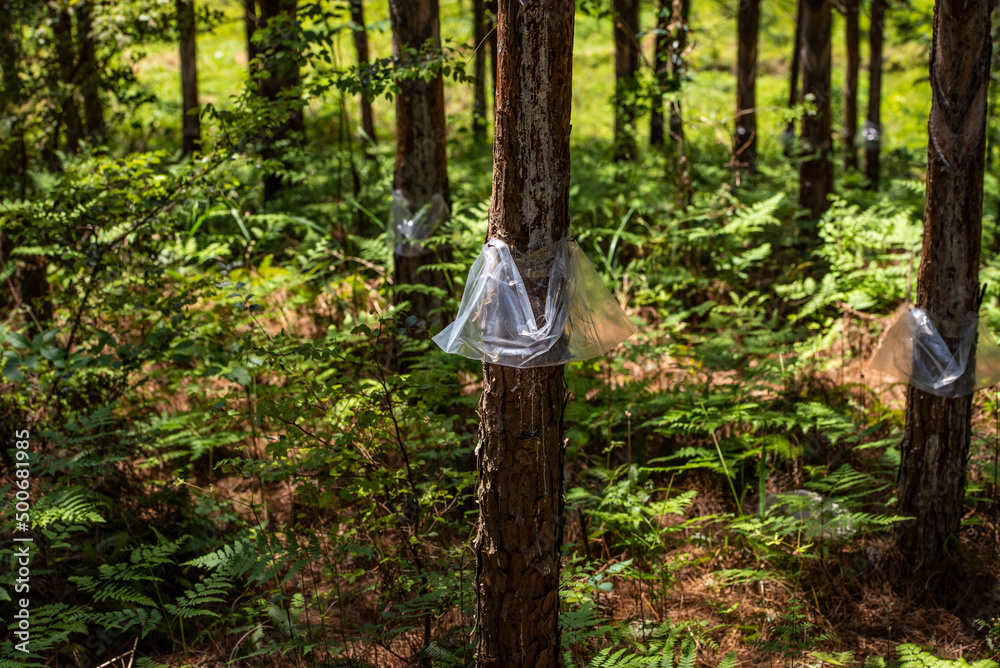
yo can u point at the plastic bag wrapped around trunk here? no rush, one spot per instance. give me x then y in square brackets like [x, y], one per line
[497, 323]
[914, 351]
[408, 228]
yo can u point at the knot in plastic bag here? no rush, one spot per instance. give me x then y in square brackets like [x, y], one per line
[409, 226]
[914, 351]
[548, 308]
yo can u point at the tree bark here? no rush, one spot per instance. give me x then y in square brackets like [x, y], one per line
[520, 453]
[851, 10]
[678, 72]
[661, 60]
[13, 157]
[250, 20]
[748, 24]
[421, 169]
[816, 171]
[491, 39]
[793, 75]
[281, 74]
[90, 76]
[938, 430]
[69, 112]
[191, 122]
[361, 47]
[626, 17]
[479, 97]
[873, 145]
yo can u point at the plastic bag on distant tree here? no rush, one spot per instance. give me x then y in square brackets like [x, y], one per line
[914, 351]
[410, 227]
[496, 322]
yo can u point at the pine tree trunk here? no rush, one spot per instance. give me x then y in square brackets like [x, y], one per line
[748, 23]
[421, 158]
[851, 10]
[250, 20]
[793, 74]
[491, 39]
[69, 112]
[938, 430]
[520, 453]
[816, 172]
[13, 156]
[626, 17]
[661, 60]
[873, 147]
[361, 47]
[191, 125]
[479, 101]
[678, 72]
[90, 76]
[282, 74]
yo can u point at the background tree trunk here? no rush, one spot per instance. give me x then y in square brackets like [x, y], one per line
[936, 441]
[491, 39]
[421, 150]
[520, 453]
[13, 157]
[816, 172]
[89, 76]
[282, 69]
[361, 47]
[661, 64]
[250, 20]
[851, 10]
[793, 75]
[479, 101]
[625, 14]
[69, 112]
[678, 72]
[189, 77]
[873, 148]
[748, 24]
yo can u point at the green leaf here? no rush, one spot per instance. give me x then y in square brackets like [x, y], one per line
[17, 340]
[12, 373]
[239, 374]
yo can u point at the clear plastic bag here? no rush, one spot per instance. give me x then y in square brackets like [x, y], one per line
[914, 351]
[870, 137]
[409, 228]
[496, 323]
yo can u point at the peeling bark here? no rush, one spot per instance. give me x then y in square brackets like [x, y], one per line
[520, 453]
[938, 430]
